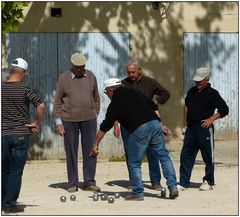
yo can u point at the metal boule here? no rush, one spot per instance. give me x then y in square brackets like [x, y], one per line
[116, 195]
[104, 197]
[163, 192]
[72, 197]
[95, 198]
[110, 200]
[95, 194]
[63, 199]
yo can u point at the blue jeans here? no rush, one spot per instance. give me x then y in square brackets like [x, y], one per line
[147, 135]
[197, 138]
[14, 156]
[153, 162]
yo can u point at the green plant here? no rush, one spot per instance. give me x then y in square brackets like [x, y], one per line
[117, 158]
[11, 14]
[123, 158]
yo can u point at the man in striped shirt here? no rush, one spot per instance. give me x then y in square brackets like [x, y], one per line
[16, 130]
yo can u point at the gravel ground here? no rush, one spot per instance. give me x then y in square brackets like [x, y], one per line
[44, 182]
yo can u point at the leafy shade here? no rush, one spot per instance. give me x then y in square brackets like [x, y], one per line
[11, 13]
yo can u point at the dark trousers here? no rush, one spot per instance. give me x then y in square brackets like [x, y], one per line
[197, 138]
[71, 140]
[153, 162]
[14, 156]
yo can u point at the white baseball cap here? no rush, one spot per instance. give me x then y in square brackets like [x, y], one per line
[21, 63]
[78, 59]
[112, 82]
[201, 73]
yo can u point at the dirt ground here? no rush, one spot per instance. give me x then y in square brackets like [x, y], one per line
[45, 181]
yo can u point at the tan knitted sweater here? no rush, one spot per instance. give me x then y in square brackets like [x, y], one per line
[76, 99]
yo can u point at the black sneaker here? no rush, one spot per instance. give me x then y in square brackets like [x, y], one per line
[173, 193]
[14, 209]
[132, 198]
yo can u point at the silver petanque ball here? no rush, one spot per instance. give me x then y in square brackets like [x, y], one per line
[116, 195]
[72, 197]
[63, 199]
[95, 198]
[110, 200]
[95, 194]
[104, 197]
[163, 192]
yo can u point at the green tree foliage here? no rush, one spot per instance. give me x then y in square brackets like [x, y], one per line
[11, 14]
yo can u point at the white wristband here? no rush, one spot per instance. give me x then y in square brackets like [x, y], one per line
[58, 121]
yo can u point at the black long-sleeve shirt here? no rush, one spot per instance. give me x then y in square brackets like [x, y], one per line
[202, 104]
[149, 87]
[130, 108]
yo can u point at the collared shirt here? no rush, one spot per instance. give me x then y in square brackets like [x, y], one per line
[149, 87]
[75, 77]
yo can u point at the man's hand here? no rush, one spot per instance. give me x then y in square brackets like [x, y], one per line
[206, 123]
[94, 151]
[33, 127]
[116, 130]
[165, 131]
[60, 129]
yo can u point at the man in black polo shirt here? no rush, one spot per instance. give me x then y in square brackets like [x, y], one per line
[200, 104]
[136, 113]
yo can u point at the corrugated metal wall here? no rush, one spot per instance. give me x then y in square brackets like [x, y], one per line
[219, 52]
[48, 55]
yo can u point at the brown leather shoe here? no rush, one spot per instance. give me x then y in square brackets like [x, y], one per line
[91, 188]
[132, 198]
[157, 187]
[173, 193]
[72, 189]
[14, 209]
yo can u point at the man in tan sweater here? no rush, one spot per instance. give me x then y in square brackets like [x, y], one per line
[76, 107]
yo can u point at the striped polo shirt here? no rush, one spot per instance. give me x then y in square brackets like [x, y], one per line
[16, 99]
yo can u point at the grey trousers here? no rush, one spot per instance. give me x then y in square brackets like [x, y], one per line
[71, 140]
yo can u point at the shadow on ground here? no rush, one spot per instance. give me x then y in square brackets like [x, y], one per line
[126, 184]
[64, 185]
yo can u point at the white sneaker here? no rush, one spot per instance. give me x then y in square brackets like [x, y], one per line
[205, 186]
[181, 188]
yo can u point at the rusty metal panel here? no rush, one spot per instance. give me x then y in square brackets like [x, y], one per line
[219, 52]
[48, 55]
